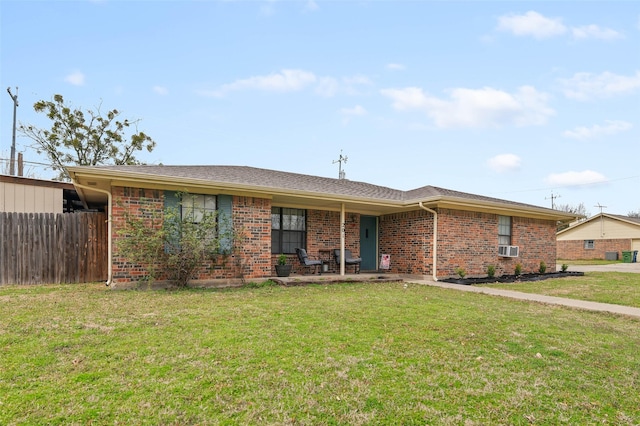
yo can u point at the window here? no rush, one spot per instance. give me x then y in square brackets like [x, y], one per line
[288, 229]
[195, 206]
[504, 230]
[589, 244]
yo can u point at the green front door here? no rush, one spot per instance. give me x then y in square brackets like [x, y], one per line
[369, 243]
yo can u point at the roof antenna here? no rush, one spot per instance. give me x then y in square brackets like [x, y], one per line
[553, 197]
[600, 207]
[601, 218]
[340, 161]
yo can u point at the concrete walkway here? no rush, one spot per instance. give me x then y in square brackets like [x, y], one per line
[551, 300]
[612, 267]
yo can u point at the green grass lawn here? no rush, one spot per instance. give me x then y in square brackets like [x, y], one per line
[620, 288]
[319, 354]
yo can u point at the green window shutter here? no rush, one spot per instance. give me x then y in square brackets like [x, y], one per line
[172, 202]
[225, 223]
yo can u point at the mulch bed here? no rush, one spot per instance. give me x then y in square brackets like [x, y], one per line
[512, 278]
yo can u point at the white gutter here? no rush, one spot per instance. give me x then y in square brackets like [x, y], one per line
[109, 238]
[435, 240]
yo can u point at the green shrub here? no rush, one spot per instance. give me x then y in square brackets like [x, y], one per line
[543, 267]
[171, 245]
[491, 271]
[565, 267]
[518, 269]
[461, 272]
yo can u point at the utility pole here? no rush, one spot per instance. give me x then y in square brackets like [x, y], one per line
[12, 167]
[340, 161]
[553, 197]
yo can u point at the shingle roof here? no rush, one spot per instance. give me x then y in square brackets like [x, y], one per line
[279, 181]
[627, 218]
[268, 179]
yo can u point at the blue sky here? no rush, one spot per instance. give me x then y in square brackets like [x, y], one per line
[514, 100]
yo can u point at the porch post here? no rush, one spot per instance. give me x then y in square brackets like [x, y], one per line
[342, 238]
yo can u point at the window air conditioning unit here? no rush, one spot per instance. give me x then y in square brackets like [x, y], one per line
[508, 251]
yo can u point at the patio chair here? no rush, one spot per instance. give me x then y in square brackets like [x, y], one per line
[348, 260]
[308, 263]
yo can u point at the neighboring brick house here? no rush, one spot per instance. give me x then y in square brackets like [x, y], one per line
[280, 211]
[603, 233]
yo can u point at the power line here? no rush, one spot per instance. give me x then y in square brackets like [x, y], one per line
[567, 186]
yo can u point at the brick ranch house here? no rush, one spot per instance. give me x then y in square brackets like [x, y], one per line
[428, 231]
[598, 235]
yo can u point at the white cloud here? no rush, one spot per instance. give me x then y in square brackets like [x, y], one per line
[160, 90]
[611, 127]
[349, 113]
[584, 86]
[291, 80]
[312, 5]
[284, 81]
[538, 26]
[594, 31]
[355, 111]
[327, 87]
[396, 67]
[504, 163]
[486, 107]
[352, 85]
[76, 78]
[531, 24]
[357, 79]
[586, 177]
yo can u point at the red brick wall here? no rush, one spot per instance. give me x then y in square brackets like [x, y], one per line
[138, 202]
[408, 238]
[574, 249]
[251, 217]
[467, 240]
[537, 241]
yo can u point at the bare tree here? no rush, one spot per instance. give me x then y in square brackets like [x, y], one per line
[577, 210]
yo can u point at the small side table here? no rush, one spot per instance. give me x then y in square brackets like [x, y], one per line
[325, 256]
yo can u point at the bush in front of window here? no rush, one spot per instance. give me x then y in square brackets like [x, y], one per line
[174, 244]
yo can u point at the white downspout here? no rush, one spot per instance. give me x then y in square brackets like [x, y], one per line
[109, 238]
[435, 240]
[342, 239]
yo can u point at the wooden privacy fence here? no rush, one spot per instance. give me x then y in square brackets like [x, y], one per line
[43, 248]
